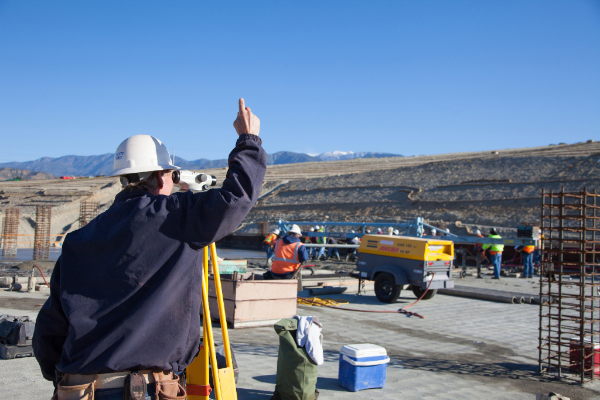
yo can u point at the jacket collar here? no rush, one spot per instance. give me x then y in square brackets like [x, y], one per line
[127, 194]
[287, 239]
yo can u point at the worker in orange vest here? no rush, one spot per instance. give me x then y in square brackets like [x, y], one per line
[268, 244]
[528, 261]
[289, 254]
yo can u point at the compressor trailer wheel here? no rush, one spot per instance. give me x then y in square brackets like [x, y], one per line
[419, 292]
[386, 289]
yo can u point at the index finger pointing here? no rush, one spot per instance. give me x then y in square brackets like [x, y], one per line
[242, 106]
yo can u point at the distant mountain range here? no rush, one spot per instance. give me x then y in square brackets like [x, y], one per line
[23, 174]
[102, 164]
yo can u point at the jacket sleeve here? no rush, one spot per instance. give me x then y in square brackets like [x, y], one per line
[51, 328]
[486, 246]
[209, 216]
[303, 254]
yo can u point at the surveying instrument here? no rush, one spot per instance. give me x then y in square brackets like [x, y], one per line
[197, 373]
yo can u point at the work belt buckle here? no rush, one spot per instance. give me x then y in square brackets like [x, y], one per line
[134, 387]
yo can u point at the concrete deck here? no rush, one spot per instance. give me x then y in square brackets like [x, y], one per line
[464, 348]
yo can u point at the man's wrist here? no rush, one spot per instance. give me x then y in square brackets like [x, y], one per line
[248, 136]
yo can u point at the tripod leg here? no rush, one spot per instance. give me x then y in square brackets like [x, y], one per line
[210, 343]
[226, 375]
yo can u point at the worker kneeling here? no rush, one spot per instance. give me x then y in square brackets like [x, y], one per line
[289, 254]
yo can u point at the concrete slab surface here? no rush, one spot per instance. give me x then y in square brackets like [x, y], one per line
[464, 348]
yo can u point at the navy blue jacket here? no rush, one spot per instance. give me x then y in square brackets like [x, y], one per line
[302, 252]
[126, 291]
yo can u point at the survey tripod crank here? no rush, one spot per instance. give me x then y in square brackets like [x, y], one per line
[197, 379]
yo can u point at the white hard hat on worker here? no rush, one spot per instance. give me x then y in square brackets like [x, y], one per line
[141, 155]
[295, 229]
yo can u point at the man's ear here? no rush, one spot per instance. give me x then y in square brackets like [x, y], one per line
[159, 179]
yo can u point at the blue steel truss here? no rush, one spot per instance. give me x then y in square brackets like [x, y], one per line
[415, 229]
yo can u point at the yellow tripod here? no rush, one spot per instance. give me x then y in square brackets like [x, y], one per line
[198, 387]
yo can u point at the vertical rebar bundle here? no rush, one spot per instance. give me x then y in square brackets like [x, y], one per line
[569, 335]
[41, 241]
[263, 228]
[88, 210]
[10, 232]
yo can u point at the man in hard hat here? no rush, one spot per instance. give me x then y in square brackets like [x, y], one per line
[313, 240]
[289, 254]
[527, 260]
[479, 253]
[495, 252]
[125, 298]
[268, 244]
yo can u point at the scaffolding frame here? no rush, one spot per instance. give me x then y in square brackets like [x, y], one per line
[10, 233]
[569, 318]
[41, 241]
[88, 210]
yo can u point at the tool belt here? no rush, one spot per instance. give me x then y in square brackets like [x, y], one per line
[134, 384]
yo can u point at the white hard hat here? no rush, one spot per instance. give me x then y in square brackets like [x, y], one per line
[352, 231]
[276, 231]
[478, 232]
[434, 231]
[312, 229]
[141, 153]
[368, 231]
[396, 232]
[295, 229]
[317, 227]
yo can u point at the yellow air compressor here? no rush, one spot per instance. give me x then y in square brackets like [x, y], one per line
[394, 262]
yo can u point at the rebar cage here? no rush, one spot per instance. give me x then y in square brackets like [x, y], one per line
[569, 335]
[88, 210]
[41, 240]
[10, 232]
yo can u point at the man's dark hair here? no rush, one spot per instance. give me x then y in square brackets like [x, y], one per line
[149, 183]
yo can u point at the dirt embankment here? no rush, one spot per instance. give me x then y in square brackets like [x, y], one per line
[464, 191]
[478, 190]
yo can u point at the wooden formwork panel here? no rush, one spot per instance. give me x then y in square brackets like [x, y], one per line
[254, 303]
[255, 290]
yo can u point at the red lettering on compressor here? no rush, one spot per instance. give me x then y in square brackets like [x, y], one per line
[389, 248]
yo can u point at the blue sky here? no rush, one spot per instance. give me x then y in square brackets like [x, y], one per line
[406, 77]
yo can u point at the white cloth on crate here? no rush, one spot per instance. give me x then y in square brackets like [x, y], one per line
[309, 336]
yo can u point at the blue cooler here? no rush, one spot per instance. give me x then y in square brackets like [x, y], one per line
[362, 366]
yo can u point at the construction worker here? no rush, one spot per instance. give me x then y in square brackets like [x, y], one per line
[528, 261]
[495, 252]
[321, 240]
[332, 250]
[313, 240]
[479, 253]
[125, 297]
[289, 254]
[268, 244]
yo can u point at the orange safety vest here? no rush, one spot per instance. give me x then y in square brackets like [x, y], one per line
[286, 257]
[269, 239]
[529, 249]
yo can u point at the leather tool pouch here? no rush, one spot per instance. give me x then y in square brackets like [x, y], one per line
[134, 387]
[168, 388]
[75, 392]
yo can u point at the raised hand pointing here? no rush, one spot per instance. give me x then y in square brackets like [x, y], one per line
[246, 122]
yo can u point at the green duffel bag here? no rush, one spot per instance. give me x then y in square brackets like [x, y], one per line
[296, 371]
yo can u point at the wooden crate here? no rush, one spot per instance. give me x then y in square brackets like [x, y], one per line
[254, 303]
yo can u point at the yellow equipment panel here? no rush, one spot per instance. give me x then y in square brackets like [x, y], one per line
[424, 249]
